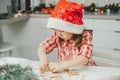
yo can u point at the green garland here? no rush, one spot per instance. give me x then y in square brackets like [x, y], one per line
[16, 72]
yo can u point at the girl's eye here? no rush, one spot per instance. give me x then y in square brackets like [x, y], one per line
[61, 31]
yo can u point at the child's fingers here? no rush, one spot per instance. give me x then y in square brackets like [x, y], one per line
[42, 69]
[46, 67]
[54, 70]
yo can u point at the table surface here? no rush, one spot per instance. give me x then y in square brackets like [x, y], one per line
[85, 72]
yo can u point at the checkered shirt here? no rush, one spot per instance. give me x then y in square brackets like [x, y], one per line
[66, 50]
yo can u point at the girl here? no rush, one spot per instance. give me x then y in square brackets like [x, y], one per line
[73, 42]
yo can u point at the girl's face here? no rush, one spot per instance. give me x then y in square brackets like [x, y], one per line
[64, 35]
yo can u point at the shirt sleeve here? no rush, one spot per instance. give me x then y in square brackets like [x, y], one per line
[50, 43]
[86, 48]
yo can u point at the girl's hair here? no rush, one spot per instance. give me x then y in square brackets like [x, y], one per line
[77, 38]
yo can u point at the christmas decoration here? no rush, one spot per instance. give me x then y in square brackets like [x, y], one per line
[16, 72]
[92, 8]
[113, 8]
[43, 9]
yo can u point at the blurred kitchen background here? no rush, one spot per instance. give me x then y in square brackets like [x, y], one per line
[13, 6]
[23, 24]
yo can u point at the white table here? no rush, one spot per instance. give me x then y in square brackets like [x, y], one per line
[85, 72]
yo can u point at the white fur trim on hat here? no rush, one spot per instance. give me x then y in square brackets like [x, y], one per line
[64, 26]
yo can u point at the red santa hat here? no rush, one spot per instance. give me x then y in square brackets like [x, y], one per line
[67, 16]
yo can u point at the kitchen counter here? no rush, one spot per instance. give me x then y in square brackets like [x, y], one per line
[86, 16]
[12, 20]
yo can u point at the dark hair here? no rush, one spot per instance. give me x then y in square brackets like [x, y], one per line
[78, 38]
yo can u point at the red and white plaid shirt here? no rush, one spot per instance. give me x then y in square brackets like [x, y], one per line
[66, 50]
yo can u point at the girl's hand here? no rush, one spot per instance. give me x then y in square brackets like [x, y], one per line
[44, 64]
[56, 67]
